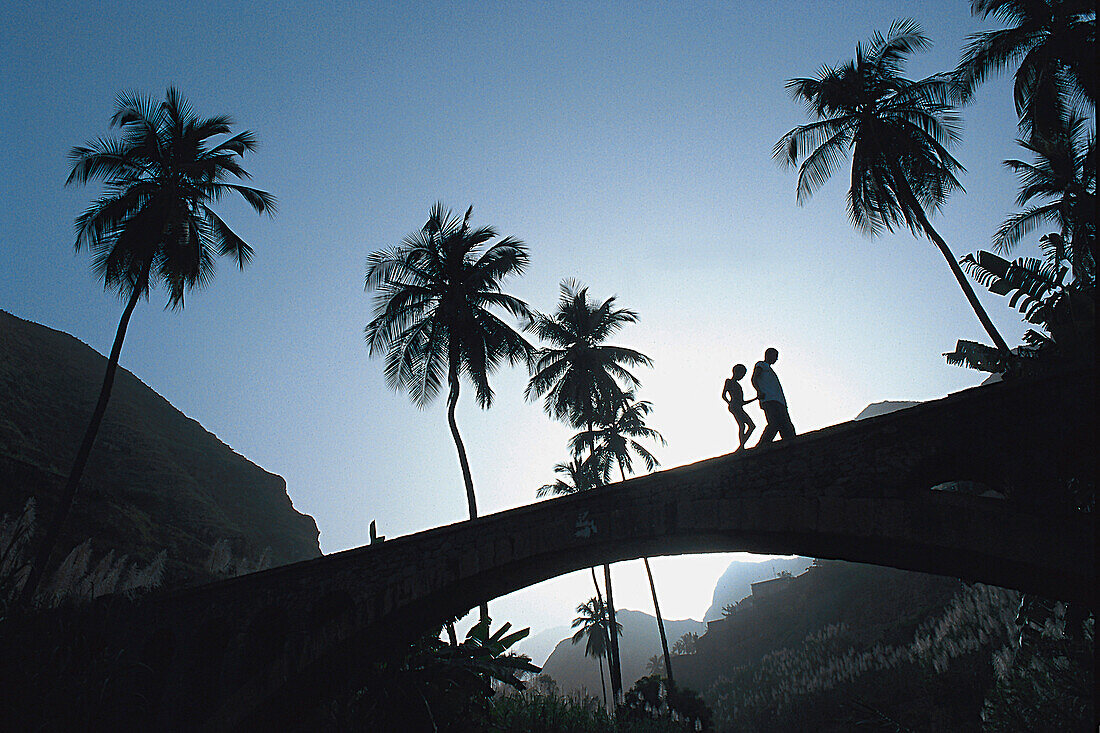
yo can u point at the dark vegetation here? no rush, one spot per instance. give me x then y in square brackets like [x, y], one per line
[437, 686]
[847, 646]
[837, 638]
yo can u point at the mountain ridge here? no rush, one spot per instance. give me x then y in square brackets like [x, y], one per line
[156, 478]
[639, 641]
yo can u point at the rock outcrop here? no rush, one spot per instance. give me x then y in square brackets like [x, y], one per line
[156, 479]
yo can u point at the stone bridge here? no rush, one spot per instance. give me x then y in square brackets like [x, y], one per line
[253, 652]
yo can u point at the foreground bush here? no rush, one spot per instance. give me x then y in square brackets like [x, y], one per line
[537, 712]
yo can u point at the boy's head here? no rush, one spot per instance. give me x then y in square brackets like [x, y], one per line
[739, 371]
[771, 356]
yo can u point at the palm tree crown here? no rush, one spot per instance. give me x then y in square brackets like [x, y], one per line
[617, 441]
[1062, 174]
[592, 623]
[578, 373]
[897, 131]
[1053, 43]
[433, 315]
[575, 476]
[154, 221]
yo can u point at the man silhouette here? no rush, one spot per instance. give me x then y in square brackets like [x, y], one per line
[772, 401]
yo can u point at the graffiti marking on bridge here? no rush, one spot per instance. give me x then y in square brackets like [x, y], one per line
[585, 527]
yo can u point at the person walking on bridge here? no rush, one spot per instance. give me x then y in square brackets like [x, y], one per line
[772, 401]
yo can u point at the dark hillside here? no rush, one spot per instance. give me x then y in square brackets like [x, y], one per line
[156, 479]
[838, 645]
[879, 605]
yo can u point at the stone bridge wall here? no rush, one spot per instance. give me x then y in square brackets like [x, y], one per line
[253, 650]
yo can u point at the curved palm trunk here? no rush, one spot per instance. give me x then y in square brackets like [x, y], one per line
[463, 462]
[907, 194]
[660, 623]
[68, 493]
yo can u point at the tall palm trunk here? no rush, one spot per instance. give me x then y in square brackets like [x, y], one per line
[68, 493]
[656, 607]
[603, 685]
[603, 623]
[463, 462]
[616, 670]
[660, 623]
[914, 205]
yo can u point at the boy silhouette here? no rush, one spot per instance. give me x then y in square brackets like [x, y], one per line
[734, 397]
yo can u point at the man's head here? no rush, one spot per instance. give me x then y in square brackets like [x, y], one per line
[771, 356]
[739, 371]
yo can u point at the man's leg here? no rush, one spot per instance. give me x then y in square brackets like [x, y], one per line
[773, 425]
[786, 427]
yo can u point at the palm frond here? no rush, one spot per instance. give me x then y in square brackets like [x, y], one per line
[979, 357]
[228, 242]
[261, 201]
[821, 163]
[1019, 225]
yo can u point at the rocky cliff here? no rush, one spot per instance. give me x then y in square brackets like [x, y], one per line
[156, 479]
[736, 582]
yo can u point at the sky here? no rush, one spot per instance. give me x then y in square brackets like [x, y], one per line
[628, 144]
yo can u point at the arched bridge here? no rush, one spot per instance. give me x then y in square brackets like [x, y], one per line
[254, 650]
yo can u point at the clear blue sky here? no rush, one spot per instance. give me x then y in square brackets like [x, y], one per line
[629, 144]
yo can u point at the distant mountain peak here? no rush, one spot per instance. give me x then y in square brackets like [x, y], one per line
[886, 406]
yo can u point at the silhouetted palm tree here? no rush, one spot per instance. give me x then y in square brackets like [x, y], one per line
[686, 644]
[593, 625]
[581, 378]
[617, 441]
[580, 375]
[1064, 175]
[153, 225]
[434, 315]
[576, 475]
[896, 130]
[1053, 43]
